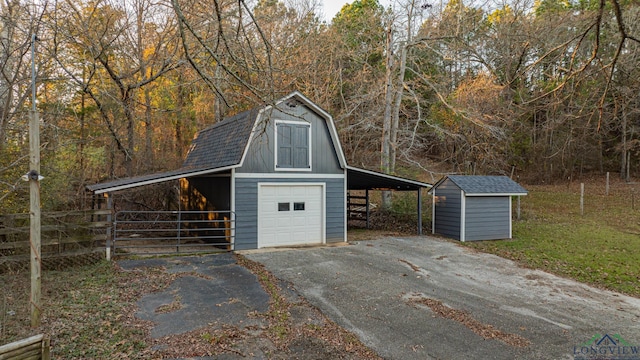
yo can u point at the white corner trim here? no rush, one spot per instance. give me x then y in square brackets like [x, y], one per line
[463, 216]
[433, 211]
[510, 218]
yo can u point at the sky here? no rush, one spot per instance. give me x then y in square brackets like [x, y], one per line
[332, 7]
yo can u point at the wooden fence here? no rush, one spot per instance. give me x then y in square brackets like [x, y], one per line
[62, 233]
[33, 348]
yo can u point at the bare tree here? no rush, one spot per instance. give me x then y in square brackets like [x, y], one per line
[124, 49]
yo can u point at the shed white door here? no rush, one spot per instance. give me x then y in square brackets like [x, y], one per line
[290, 214]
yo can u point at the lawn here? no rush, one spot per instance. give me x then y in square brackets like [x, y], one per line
[600, 246]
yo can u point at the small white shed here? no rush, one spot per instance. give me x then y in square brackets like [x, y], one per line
[470, 207]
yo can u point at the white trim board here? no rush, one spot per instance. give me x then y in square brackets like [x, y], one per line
[288, 176]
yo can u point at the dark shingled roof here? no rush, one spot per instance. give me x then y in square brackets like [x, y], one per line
[476, 184]
[216, 147]
[221, 144]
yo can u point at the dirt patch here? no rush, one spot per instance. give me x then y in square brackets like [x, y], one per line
[485, 330]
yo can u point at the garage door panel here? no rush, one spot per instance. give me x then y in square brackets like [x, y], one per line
[292, 227]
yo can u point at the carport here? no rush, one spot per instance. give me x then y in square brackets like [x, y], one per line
[367, 180]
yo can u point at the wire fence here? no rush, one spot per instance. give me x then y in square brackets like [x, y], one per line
[67, 238]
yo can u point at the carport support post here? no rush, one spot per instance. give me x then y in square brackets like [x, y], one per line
[419, 211]
[366, 195]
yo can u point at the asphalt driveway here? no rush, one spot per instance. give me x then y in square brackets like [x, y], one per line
[217, 290]
[426, 298]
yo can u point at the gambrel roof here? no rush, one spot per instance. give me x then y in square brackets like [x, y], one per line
[484, 185]
[224, 146]
[221, 144]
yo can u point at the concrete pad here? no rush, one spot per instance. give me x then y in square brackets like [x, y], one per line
[374, 288]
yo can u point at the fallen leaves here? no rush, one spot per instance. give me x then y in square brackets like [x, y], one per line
[484, 330]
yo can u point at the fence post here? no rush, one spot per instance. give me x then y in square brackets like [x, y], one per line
[581, 199]
[419, 211]
[112, 224]
[179, 226]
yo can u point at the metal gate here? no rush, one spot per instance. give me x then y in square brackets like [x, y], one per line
[170, 232]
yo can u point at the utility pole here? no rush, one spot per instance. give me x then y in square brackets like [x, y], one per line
[34, 197]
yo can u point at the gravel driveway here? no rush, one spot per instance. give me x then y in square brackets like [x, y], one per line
[428, 298]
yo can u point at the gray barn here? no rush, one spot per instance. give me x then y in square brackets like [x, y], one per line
[469, 208]
[280, 171]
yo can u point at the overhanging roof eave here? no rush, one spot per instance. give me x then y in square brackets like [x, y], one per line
[124, 184]
[372, 180]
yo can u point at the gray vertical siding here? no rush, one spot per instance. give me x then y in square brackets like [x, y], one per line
[487, 217]
[448, 210]
[247, 209]
[260, 157]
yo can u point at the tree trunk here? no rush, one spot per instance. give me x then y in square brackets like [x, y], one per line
[148, 131]
[398, 93]
[182, 113]
[127, 101]
[623, 157]
[385, 151]
[7, 26]
[218, 110]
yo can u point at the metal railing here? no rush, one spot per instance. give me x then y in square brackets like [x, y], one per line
[163, 232]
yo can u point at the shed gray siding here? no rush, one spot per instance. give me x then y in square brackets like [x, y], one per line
[246, 194]
[487, 217]
[260, 157]
[447, 213]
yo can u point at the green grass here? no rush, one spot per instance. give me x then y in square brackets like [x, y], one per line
[600, 247]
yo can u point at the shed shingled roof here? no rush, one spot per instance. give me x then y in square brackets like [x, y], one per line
[485, 184]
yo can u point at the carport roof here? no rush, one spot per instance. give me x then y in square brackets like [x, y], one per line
[128, 183]
[361, 179]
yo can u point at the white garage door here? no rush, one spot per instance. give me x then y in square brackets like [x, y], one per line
[290, 214]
